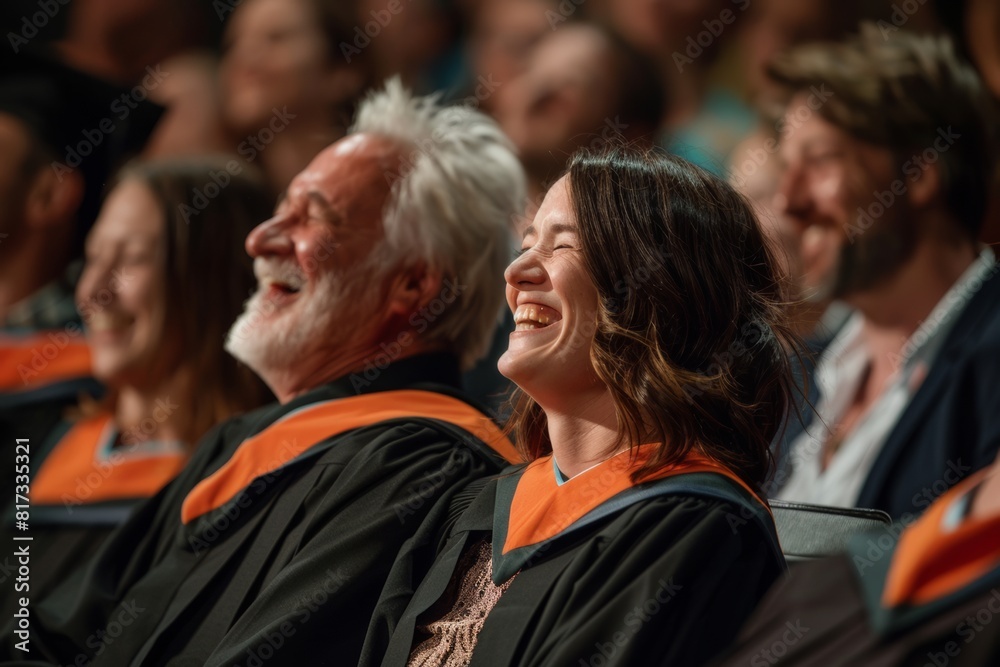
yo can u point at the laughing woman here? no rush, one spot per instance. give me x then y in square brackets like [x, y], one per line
[649, 359]
[165, 276]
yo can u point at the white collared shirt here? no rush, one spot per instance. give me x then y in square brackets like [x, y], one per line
[839, 373]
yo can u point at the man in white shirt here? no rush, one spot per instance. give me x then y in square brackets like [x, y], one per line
[886, 148]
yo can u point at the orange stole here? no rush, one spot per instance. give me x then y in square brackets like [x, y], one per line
[541, 508]
[75, 472]
[930, 563]
[299, 431]
[38, 360]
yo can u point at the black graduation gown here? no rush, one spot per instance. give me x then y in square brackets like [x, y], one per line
[101, 486]
[288, 570]
[841, 611]
[31, 412]
[663, 573]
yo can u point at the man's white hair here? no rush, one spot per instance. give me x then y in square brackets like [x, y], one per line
[454, 196]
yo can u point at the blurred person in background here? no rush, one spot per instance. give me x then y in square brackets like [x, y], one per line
[974, 25]
[164, 48]
[755, 170]
[706, 117]
[584, 87]
[416, 40]
[119, 39]
[288, 91]
[164, 279]
[774, 26]
[62, 134]
[192, 123]
[887, 153]
[504, 35]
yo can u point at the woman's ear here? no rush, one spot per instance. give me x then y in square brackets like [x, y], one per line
[53, 198]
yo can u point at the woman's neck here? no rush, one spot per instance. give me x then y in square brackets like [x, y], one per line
[583, 434]
[160, 413]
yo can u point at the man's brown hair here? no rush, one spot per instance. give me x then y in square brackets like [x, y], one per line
[905, 92]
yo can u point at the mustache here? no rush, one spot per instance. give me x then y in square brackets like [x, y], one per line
[270, 270]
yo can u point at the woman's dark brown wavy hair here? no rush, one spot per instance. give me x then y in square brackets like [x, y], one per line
[691, 335]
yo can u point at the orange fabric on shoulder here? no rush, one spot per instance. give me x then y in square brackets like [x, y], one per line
[300, 430]
[39, 359]
[541, 508]
[931, 562]
[76, 472]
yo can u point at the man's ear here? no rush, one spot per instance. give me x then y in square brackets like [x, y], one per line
[413, 289]
[53, 198]
[926, 188]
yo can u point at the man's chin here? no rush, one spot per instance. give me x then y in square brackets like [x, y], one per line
[252, 340]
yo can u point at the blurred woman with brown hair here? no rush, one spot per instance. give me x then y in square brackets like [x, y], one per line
[650, 359]
[166, 275]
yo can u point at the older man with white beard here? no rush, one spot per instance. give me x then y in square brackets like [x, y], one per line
[379, 280]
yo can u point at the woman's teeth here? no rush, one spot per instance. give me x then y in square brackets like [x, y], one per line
[529, 317]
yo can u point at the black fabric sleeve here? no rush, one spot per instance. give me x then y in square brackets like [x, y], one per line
[390, 495]
[65, 623]
[669, 582]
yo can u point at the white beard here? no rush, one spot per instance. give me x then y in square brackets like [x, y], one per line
[274, 345]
